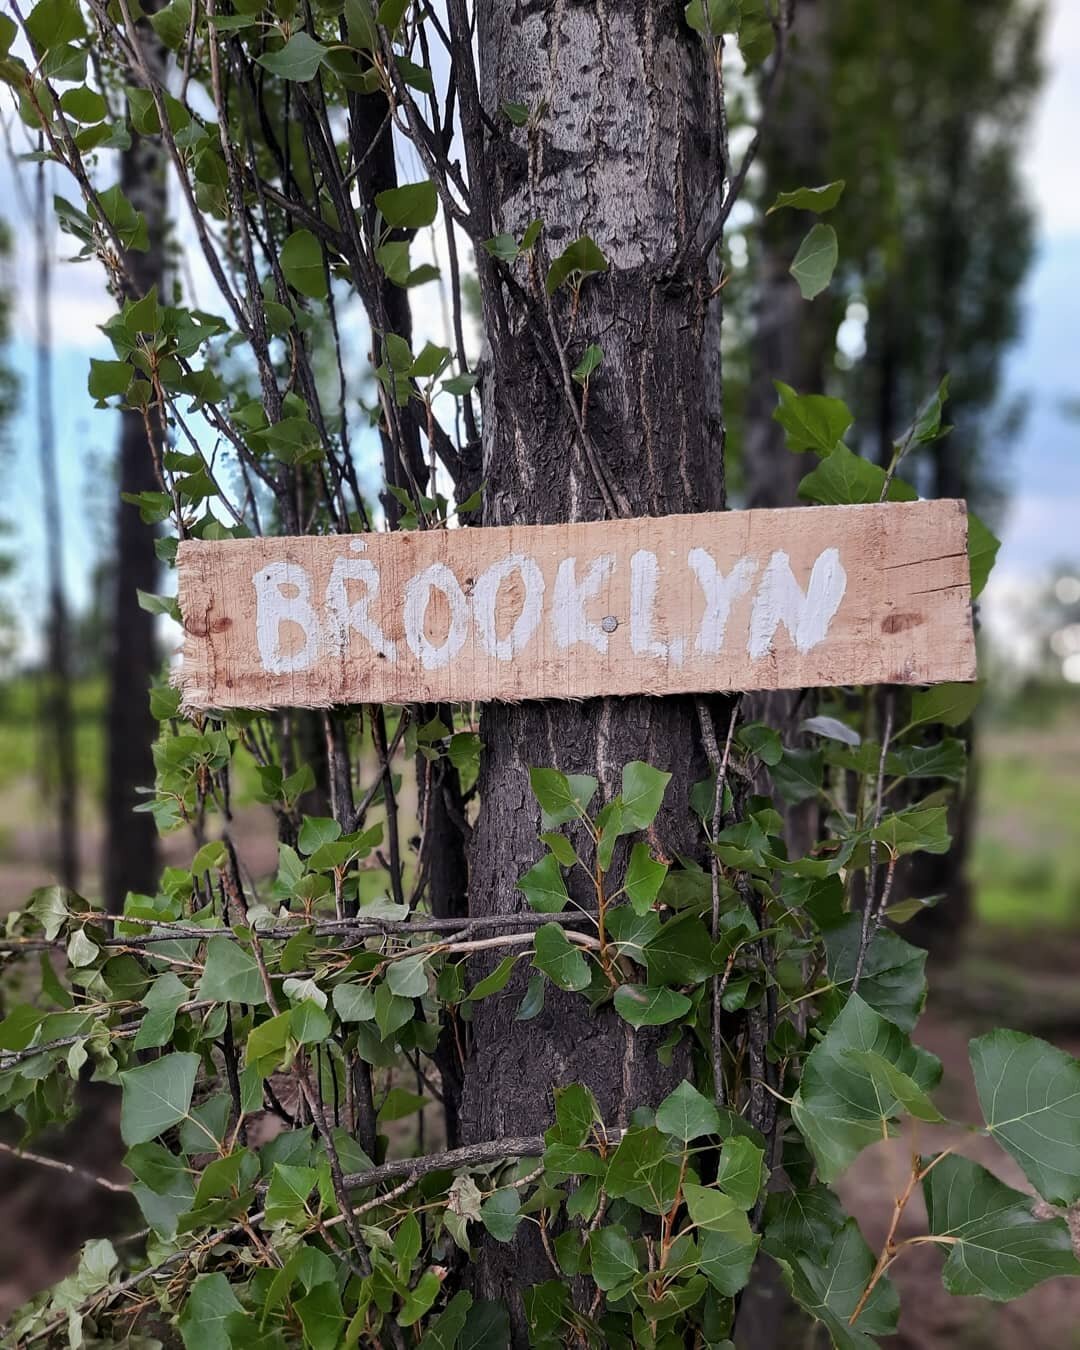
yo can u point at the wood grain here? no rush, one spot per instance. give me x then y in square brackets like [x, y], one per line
[897, 610]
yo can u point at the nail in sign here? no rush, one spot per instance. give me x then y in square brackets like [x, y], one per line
[677, 604]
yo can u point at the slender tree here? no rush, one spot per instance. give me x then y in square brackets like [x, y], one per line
[58, 721]
[130, 858]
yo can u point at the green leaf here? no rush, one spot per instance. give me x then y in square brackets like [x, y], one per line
[644, 877]
[445, 1331]
[797, 777]
[560, 961]
[741, 1172]
[1029, 1092]
[108, 378]
[544, 887]
[832, 729]
[589, 363]
[562, 848]
[713, 1210]
[267, 1044]
[49, 905]
[645, 1170]
[726, 1255]
[927, 424]
[888, 1080]
[84, 105]
[202, 1322]
[408, 977]
[532, 1005]
[495, 982]
[161, 1001]
[643, 789]
[815, 261]
[391, 1011]
[316, 831]
[712, 18]
[650, 1005]
[612, 1257]
[922, 829]
[562, 797]
[762, 741]
[302, 262]
[686, 1114]
[839, 1108]
[816, 199]
[499, 1213]
[579, 260]
[811, 421]
[846, 479]
[231, 974]
[398, 1104]
[54, 23]
[893, 979]
[830, 1288]
[308, 1023]
[487, 1326]
[290, 1186]
[419, 1299]
[949, 704]
[156, 1096]
[681, 952]
[298, 60]
[410, 207]
[518, 113]
[391, 13]
[162, 1186]
[983, 547]
[322, 1317]
[354, 1002]
[998, 1249]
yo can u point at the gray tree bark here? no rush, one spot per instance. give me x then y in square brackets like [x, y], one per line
[628, 155]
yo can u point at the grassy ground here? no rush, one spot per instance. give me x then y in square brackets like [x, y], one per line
[1026, 863]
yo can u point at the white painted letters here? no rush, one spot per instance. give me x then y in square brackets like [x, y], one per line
[644, 573]
[437, 577]
[780, 600]
[485, 605]
[568, 619]
[355, 617]
[274, 608]
[283, 593]
[721, 592]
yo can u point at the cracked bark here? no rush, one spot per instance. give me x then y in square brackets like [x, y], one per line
[625, 155]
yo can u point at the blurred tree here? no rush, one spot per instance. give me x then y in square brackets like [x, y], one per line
[130, 861]
[8, 399]
[58, 723]
[923, 113]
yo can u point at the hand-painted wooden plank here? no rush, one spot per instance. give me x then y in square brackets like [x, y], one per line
[677, 604]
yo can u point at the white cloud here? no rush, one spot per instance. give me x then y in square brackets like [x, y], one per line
[1053, 136]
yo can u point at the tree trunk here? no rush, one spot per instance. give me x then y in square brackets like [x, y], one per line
[627, 157]
[59, 724]
[131, 855]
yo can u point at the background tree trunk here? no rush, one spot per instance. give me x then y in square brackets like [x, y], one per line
[628, 157]
[61, 776]
[131, 853]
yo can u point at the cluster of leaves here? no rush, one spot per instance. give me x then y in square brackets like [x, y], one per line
[209, 1019]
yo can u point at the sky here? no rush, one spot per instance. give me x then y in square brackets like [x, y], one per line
[1040, 528]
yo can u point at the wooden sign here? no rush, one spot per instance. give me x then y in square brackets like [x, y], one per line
[677, 604]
